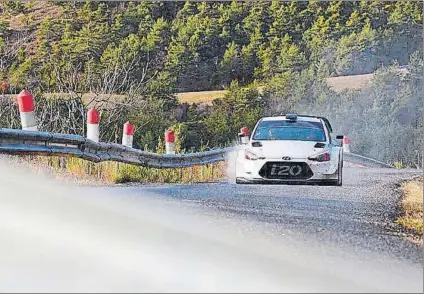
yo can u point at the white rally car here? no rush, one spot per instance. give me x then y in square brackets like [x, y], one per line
[291, 149]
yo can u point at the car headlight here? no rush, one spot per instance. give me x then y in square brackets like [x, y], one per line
[321, 157]
[249, 155]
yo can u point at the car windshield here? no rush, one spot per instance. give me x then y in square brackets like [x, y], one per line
[283, 130]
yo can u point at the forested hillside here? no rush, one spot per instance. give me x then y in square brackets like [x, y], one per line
[204, 46]
[147, 51]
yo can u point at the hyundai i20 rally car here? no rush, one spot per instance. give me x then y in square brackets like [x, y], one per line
[291, 149]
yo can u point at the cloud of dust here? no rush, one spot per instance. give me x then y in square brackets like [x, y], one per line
[57, 237]
[231, 163]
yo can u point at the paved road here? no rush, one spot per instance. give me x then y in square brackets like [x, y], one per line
[210, 237]
[360, 213]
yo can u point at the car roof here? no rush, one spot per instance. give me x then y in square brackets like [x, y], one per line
[302, 117]
[299, 117]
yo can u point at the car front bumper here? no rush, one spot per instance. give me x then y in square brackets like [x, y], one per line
[248, 171]
[283, 182]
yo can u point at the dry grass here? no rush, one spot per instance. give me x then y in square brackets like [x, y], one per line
[36, 12]
[196, 174]
[82, 171]
[412, 206]
[187, 97]
[204, 96]
[200, 97]
[356, 82]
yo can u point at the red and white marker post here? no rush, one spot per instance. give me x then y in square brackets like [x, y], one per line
[26, 111]
[346, 143]
[128, 134]
[93, 125]
[169, 142]
[244, 133]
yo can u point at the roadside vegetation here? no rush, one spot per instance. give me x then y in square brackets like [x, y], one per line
[246, 59]
[411, 206]
[83, 171]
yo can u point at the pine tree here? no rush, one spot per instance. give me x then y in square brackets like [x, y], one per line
[231, 64]
[291, 58]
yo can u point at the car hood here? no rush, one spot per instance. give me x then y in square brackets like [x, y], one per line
[294, 149]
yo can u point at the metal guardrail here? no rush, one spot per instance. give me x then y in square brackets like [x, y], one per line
[369, 162]
[20, 142]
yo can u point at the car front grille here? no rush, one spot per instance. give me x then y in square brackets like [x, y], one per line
[286, 171]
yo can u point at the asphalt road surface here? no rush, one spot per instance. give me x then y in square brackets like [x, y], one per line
[207, 238]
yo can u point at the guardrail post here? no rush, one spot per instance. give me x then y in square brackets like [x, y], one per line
[26, 111]
[346, 143]
[93, 125]
[170, 142]
[128, 134]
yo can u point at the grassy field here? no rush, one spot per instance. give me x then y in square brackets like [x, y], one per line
[204, 96]
[200, 97]
[356, 82]
[338, 84]
[411, 206]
